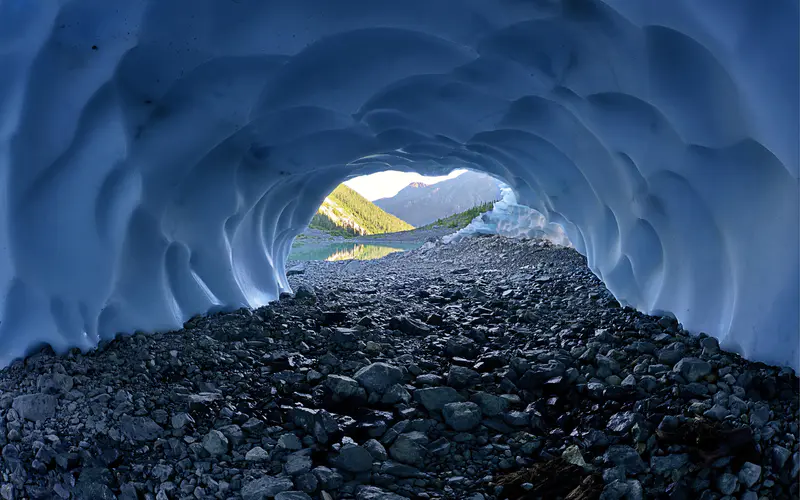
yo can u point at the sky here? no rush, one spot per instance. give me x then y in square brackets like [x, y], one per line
[388, 183]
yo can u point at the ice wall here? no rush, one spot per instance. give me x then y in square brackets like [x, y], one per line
[510, 219]
[157, 157]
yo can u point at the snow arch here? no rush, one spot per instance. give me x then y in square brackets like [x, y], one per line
[158, 157]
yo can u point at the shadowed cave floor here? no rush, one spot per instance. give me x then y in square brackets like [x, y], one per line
[491, 368]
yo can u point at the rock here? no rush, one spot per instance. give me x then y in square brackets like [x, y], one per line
[726, 483]
[375, 493]
[354, 458]
[606, 366]
[296, 270]
[345, 337]
[202, 401]
[396, 394]
[234, 434]
[35, 407]
[537, 375]
[625, 456]
[92, 491]
[759, 415]
[462, 416]
[127, 491]
[266, 487]
[410, 448]
[256, 454]
[292, 495]
[253, 426]
[621, 423]
[490, 405]
[615, 491]
[429, 379]
[409, 326]
[517, 418]
[635, 490]
[462, 347]
[435, 398]
[663, 466]
[717, 412]
[215, 443]
[162, 472]
[692, 369]
[7, 491]
[573, 455]
[378, 377]
[614, 474]
[710, 345]
[139, 428]
[460, 377]
[181, 420]
[779, 456]
[290, 442]
[671, 354]
[749, 474]
[54, 383]
[298, 463]
[307, 482]
[343, 388]
[328, 479]
[304, 292]
[318, 423]
[439, 447]
[376, 449]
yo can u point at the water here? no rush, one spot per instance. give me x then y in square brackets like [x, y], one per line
[347, 251]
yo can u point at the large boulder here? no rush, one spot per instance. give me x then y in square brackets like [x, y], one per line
[378, 377]
[35, 407]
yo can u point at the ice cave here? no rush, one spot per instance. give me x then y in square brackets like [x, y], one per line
[157, 157]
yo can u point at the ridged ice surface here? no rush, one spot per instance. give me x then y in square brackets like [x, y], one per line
[157, 157]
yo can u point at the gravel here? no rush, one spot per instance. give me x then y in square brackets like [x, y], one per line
[437, 373]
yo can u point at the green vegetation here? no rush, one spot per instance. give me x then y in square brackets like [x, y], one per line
[462, 219]
[346, 213]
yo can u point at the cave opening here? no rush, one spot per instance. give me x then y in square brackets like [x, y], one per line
[158, 159]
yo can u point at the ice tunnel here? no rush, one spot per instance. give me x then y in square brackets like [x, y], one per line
[157, 157]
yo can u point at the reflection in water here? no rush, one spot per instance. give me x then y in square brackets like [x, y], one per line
[363, 252]
[347, 251]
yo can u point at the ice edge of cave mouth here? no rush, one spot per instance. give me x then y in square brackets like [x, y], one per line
[158, 158]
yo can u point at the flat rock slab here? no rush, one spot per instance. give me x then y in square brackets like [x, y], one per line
[35, 407]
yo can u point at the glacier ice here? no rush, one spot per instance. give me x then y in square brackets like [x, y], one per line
[157, 157]
[509, 218]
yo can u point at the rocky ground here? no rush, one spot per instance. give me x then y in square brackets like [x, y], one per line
[487, 369]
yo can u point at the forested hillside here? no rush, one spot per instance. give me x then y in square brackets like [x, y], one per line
[345, 212]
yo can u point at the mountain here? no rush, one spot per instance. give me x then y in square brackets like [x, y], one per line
[345, 212]
[422, 204]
